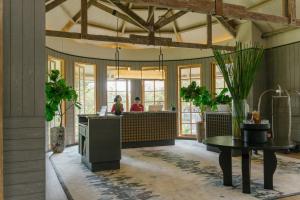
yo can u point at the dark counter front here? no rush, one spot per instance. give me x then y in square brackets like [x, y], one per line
[100, 141]
[145, 129]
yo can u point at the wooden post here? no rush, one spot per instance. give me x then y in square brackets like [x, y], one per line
[289, 10]
[84, 30]
[219, 7]
[209, 30]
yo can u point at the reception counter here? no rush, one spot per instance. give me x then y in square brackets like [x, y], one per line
[101, 138]
[144, 129]
[100, 141]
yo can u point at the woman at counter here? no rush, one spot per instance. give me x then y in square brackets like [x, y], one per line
[118, 106]
[137, 106]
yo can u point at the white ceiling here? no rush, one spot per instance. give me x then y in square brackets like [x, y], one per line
[191, 26]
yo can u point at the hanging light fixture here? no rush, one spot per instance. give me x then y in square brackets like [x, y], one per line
[117, 53]
[161, 59]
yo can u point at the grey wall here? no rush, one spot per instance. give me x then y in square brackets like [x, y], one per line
[171, 83]
[283, 67]
[24, 76]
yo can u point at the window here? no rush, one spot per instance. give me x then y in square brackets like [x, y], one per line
[85, 87]
[120, 87]
[218, 82]
[189, 114]
[154, 87]
[55, 64]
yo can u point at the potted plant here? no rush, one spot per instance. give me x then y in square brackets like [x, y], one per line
[173, 107]
[201, 98]
[239, 69]
[57, 92]
[223, 101]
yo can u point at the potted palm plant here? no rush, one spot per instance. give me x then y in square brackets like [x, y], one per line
[201, 98]
[239, 69]
[58, 92]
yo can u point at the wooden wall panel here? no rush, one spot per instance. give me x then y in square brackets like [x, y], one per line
[24, 123]
[28, 58]
[1, 100]
[283, 68]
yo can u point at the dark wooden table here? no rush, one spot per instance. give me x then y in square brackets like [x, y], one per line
[226, 144]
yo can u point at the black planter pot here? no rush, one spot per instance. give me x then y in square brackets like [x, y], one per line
[118, 112]
[255, 133]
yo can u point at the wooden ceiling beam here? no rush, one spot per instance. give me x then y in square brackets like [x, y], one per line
[219, 7]
[74, 19]
[116, 13]
[151, 10]
[230, 29]
[209, 30]
[54, 4]
[84, 18]
[175, 29]
[131, 14]
[166, 20]
[208, 7]
[292, 11]
[143, 40]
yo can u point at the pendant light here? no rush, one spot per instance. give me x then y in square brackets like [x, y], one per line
[161, 59]
[117, 53]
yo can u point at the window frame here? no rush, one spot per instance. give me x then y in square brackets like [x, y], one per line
[179, 103]
[214, 78]
[95, 93]
[165, 84]
[128, 97]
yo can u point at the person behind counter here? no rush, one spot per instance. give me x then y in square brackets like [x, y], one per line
[137, 106]
[118, 106]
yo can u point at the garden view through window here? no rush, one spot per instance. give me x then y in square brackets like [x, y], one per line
[85, 87]
[188, 113]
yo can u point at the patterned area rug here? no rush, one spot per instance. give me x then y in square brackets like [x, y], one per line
[185, 171]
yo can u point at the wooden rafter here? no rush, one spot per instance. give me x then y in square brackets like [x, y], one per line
[208, 7]
[115, 13]
[219, 7]
[54, 4]
[292, 11]
[131, 14]
[151, 10]
[75, 19]
[123, 27]
[176, 30]
[227, 26]
[209, 30]
[144, 40]
[150, 22]
[163, 22]
[84, 18]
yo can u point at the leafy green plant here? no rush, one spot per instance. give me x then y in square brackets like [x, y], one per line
[222, 97]
[57, 92]
[239, 68]
[198, 95]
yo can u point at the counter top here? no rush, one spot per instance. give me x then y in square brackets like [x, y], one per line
[96, 116]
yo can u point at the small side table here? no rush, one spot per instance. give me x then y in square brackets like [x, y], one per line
[226, 144]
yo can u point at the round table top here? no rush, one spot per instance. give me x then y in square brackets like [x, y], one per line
[229, 142]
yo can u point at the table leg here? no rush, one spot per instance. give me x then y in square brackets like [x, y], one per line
[246, 170]
[270, 164]
[226, 165]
